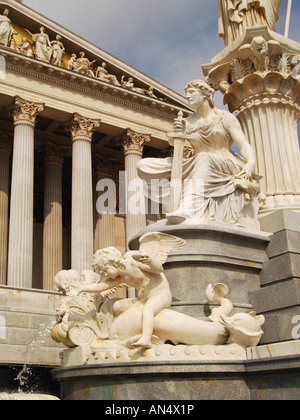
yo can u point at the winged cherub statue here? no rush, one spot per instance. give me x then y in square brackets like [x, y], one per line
[142, 270]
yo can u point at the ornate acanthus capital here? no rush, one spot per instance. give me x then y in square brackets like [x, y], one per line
[25, 112]
[82, 127]
[6, 148]
[6, 142]
[260, 63]
[266, 88]
[133, 143]
[54, 154]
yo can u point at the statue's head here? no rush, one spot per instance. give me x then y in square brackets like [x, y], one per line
[200, 89]
[108, 262]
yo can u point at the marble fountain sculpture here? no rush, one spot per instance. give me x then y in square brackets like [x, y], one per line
[145, 327]
[168, 264]
[197, 272]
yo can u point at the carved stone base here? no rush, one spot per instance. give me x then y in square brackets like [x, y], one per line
[80, 356]
[265, 375]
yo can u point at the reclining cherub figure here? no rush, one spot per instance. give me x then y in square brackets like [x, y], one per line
[142, 270]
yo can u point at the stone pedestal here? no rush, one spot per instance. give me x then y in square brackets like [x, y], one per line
[213, 254]
[82, 242]
[279, 297]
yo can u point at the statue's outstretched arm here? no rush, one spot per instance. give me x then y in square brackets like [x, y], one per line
[103, 286]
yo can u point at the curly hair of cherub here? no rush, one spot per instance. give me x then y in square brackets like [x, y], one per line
[108, 256]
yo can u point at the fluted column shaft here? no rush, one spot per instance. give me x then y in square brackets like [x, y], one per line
[82, 237]
[105, 232]
[5, 152]
[133, 144]
[53, 224]
[20, 250]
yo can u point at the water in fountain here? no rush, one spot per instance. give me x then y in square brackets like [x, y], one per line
[25, 376]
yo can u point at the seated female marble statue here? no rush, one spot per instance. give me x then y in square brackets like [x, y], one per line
[227, 185]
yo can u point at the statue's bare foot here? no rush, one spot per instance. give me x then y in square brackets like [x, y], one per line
[143, 343]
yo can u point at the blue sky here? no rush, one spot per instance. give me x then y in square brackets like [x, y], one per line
[168, 40]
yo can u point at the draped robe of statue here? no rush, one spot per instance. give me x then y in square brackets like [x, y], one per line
[43, 49]
[237, 15]
[6, 30]
[223, 197]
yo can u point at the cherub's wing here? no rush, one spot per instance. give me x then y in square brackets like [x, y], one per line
[159, 245]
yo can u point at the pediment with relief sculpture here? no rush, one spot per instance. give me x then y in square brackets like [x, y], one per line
[32, 40]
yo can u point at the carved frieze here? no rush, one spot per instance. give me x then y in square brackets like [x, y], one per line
[39, 46]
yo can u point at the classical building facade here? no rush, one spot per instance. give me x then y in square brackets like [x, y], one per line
[71, 121]
[71, 115]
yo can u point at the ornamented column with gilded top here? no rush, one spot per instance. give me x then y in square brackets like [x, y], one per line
[82, 236]
[133, 144]
[22, 191]
[259, 83]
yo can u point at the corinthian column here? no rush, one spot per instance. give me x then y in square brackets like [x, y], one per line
[133, 145]
[21, 206]
[53, 225]
[5, 152]
[82, 248]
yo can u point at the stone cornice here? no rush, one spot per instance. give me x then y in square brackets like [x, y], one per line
[87, 85]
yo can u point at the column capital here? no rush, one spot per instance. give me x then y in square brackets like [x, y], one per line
[25, 112]
[133, 142]
[82, 128]
[53, 154]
